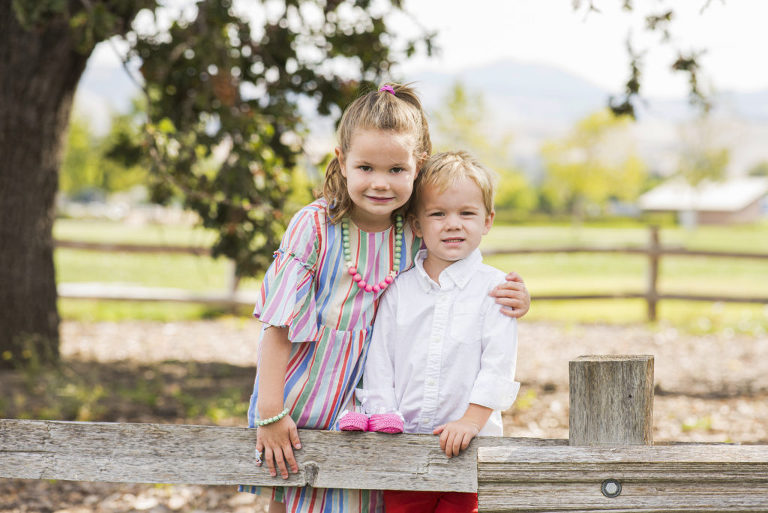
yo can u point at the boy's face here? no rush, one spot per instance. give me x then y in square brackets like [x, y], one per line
[452, 222]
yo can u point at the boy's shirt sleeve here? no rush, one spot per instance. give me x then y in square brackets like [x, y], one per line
[378, 392]
[495, 386]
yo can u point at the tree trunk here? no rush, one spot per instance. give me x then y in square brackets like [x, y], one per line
[39, 71]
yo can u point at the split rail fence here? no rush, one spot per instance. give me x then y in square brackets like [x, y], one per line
[608, 464]
[232, 296]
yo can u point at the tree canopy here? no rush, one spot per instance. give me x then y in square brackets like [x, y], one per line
[659, 19]
[595, 162]
[227, 91]
[227, 102]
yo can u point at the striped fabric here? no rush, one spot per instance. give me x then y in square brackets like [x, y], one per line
[329, 319]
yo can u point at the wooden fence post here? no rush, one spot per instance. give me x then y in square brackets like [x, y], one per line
[652, 294]
[611, 464]
[611, 400]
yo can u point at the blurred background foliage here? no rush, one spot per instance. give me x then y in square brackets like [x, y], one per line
[584, 173]
[221, 131]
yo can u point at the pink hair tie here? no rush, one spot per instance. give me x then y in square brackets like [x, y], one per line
[388, 88]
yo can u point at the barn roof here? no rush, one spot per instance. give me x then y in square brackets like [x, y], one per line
[728, 196]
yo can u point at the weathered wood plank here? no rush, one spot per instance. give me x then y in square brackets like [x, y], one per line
[611, 400]
[696, 477]
[513, 474]
[159, 453]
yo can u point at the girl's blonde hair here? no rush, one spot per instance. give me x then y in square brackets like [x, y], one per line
[443, 170]
[393, 107]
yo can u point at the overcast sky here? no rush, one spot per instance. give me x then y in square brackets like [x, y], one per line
[734, 32]
[591, 45]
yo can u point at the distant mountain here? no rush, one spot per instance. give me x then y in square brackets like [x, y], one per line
[518, 94]
[515, 92]
[533, 101]
[537, 94]
[749, 106]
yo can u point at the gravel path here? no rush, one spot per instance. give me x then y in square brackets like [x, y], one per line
[712, 365]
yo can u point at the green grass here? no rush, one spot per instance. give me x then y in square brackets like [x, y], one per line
[602, 273]
[752, 237]
[543, 273]
[109, 231]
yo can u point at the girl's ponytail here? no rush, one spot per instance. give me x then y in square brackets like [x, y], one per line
[408, 94]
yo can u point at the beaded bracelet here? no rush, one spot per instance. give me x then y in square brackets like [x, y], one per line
[272, 420]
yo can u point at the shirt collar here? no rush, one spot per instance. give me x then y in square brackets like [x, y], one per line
[457, 274]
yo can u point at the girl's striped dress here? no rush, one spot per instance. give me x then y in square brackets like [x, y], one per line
[308, 289]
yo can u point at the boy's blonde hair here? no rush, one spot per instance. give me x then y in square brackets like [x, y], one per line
[392, 107]
[445, 169]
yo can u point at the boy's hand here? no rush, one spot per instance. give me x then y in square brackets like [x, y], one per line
[278, 440]
[513, 296]
[455, 436]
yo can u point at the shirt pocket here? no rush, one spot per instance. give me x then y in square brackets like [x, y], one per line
[466, 322]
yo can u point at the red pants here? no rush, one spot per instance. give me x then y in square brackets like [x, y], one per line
[396, 501]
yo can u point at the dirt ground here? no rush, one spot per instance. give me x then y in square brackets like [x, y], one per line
[710, 388]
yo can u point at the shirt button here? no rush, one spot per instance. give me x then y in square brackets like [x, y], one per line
[430, 382]
[425, 420]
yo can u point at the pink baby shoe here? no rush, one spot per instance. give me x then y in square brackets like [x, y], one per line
[386, 423]
[354, 421]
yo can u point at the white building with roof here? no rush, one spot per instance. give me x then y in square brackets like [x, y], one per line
[736, 200]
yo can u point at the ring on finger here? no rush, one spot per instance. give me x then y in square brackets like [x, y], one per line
[257, 455]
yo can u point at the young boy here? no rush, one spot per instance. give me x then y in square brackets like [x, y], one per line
[443, 355]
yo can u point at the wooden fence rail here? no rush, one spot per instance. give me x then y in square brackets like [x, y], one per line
[232, 296]
[654, 251]
[601, 467]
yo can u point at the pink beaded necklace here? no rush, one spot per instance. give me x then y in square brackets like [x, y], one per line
[352, 268]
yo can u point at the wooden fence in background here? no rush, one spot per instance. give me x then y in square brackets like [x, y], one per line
[608, 463]
[232, 296]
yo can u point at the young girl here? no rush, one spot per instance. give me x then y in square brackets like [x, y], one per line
[319, 297]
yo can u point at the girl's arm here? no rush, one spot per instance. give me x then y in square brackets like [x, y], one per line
[455, 436]
[513, 296]
[278, 439]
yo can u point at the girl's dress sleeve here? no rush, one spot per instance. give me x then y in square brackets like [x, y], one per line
[287, 296]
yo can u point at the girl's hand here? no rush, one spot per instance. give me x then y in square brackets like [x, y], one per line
[278, 440]
[455, 436]
[513, 296]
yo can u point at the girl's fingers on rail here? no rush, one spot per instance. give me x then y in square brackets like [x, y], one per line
[290, 459]
[259, 450]
[280, 460]
[295, 437]
[269, 457]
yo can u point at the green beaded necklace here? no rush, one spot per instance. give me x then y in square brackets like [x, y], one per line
[352, 268]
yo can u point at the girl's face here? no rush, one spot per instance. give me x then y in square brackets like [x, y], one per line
[380, 168]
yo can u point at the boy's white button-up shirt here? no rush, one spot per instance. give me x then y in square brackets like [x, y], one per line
[437, 347]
